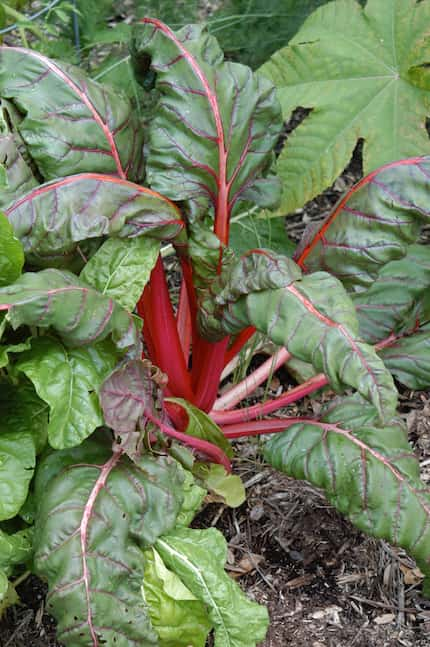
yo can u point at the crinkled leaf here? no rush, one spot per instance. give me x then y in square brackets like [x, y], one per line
[200, 425]
[248, 231]
[125, 397]
[17, 176]
[5, 349]
[408, 358]
[360, 70]
[193, 499]
[68, 380]
[372, 225]
[17, 462]
[95, 517]
[121, 269]
[53, 219]
[216, 124]
[217, 480]
[367, 472]
[179, 619]
[79, 314]
[23, 411]
[398, 299]
[11, 253]
[15, 549]
[198, 558]
[72, 123]
[312, 316]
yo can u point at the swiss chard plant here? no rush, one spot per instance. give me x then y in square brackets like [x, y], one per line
[112, 429]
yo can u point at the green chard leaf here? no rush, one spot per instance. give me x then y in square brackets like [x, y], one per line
[360, 70]
[18, 177]
[15, 549]
[373, 224]
[17, 463]
[178, 617]
[121, 269]
[200, 425]
[11, 253]
[68, 380]
[22, 411]
[398, 299]
[72, 124]
[198, 558]
[79, 314]
[96, 514]
[368, 472]
[5, 349]
[217, 480]
[312, 316]
[216, 124]
[193, 499]
[8, 595]
[53, 219]
[408, 358]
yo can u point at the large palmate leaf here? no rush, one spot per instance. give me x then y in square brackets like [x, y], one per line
[373, 224]
[72, 123]
[216, 124]
[17, 462]
[18, 177]
[360, 71]
[408, 358]
[53, 219]
[68, 380]
[398, 300]
[11, 253]
[367, 472]
[58, 299]
[178, 617]
[22, 411]
[95, 517]
[121, 269]
[198, 558]
[312, 316]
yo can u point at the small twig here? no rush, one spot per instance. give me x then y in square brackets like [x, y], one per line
[383, 605]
